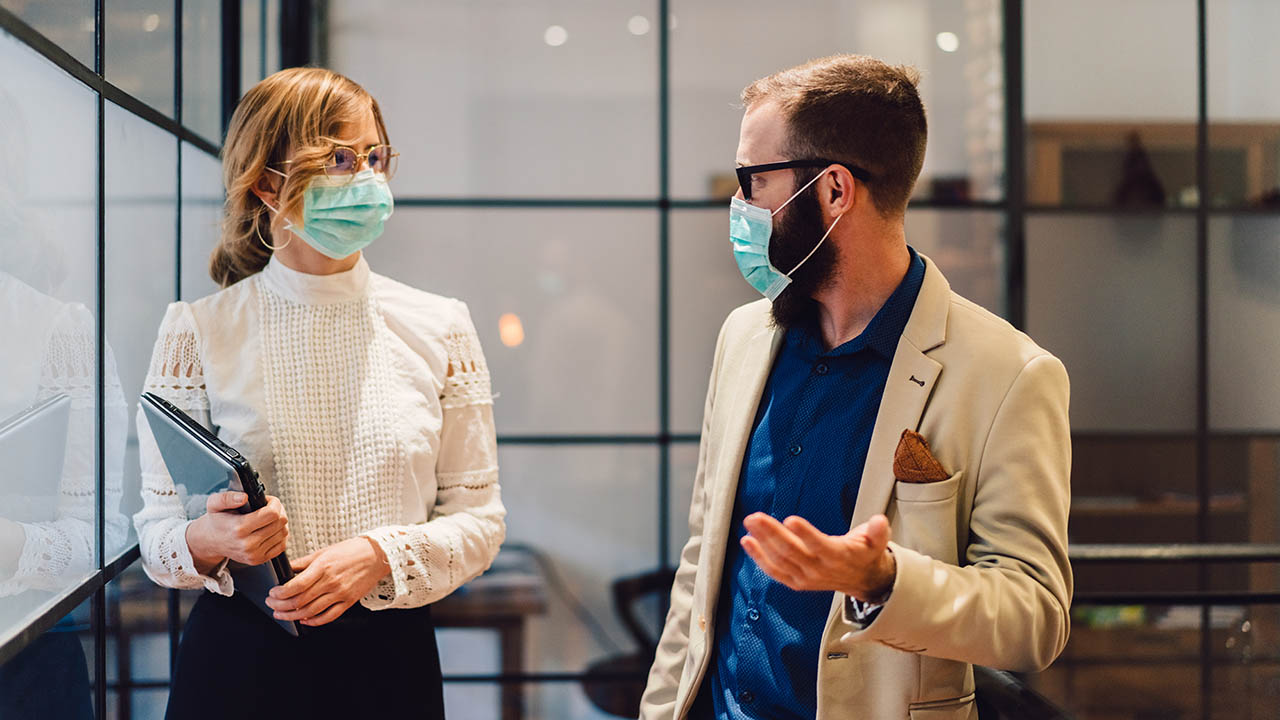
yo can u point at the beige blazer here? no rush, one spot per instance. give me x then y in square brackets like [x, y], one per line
[983, 575]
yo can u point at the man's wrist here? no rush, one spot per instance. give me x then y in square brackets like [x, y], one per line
[883, 577]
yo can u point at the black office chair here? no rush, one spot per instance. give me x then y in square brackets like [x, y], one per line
[622, 683]
[1001, 696]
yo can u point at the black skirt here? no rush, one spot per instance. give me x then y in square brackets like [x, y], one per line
[235, 662]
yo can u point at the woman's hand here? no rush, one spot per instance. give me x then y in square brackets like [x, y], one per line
[329, 581]
[223, 533]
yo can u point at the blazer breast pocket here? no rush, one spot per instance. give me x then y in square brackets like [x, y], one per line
[923, 516]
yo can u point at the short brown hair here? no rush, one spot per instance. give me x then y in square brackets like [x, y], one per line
[854, 109]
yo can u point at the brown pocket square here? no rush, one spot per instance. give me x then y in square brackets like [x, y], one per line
[913, 462]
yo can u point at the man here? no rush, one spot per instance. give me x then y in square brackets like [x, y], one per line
[861, 393]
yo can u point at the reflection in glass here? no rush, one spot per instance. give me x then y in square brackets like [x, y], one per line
[49, 358]
[140, 257]
[584, 286]
[50, 678]
[718, 47]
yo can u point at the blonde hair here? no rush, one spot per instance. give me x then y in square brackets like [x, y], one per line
[296, 115]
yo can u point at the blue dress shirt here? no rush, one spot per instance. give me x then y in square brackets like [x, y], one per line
[805, 457]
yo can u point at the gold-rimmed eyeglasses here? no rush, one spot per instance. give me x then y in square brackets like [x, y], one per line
[381, 159]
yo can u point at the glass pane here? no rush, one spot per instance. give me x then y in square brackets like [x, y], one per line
[513, 98]
[202, 68]
[968, 247]
[717, 48]
[201, 219]
[582, 518]
[1110, 141]
[52, 677]
[138, 50]
[69, 23]
[271, 40]
[137, 645]
[141, 223]
[49, 358]
[565, 302]
[252, 37]
[1145, 661]
[1244, 403]
[705, 287]
[1114, 298]
[1244, 323]
[1244, 130]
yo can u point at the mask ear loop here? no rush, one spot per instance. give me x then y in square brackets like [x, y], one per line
[257, 232]
[824, 235]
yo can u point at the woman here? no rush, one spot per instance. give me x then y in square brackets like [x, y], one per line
[364, 405]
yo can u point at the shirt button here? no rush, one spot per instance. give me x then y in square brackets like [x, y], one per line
[747, 697]
[753, 614]
[821, 369]
[796, 449]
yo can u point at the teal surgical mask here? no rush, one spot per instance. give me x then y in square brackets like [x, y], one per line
[750, 228]
[343, 214]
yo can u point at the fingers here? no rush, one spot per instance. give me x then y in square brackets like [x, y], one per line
[272, 545]
[874, 534]
[304, 610]
[224, 501]
[779, 567]
[334, 612]
[303, 563]
[300, 584]
[805, 531]
[270, 514]
[776, 538]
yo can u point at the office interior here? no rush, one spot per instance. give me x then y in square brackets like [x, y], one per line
[1104, 174]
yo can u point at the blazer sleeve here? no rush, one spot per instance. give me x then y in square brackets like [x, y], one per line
[659, 699]
[1008, 607]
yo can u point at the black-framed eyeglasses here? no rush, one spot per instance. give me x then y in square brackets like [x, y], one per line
[745, 172]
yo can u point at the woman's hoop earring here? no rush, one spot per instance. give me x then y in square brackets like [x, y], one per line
[265, 244]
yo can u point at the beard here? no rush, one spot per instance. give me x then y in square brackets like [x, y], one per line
[800, 226]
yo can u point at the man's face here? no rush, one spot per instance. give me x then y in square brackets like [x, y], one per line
[798, 227]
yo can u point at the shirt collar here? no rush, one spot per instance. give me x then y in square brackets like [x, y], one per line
[883, 332]
[308, 289]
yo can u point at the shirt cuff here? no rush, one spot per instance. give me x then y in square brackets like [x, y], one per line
[862, 613]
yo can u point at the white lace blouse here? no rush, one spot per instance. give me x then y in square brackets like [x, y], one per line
[363, 404]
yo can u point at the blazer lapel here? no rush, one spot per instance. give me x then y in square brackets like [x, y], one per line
[745, 385]
[906, 392]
